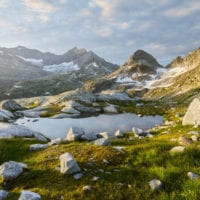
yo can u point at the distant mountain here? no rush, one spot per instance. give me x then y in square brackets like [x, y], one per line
[30, 72]
[186, 78]
[138, 73]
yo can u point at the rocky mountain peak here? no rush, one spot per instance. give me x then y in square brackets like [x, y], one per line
[141, 57]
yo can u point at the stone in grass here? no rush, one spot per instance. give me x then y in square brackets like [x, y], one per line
[56, 141]
[75, 134]
[95, 178]
[103, 135]
[155, 184]
[3, 194]
[195, 138]
[78, 176]
[68, 164]
[35, 147]
[102, 142]
[177, 149]
[119, 134]
[184, 141]
[87, 188]
[11, 170]
[192, 176]
[28, 195]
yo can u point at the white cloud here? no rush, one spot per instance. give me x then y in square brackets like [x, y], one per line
[104, 32]
[44, 18]
[41, 6]
[106, 7]
[184, 10]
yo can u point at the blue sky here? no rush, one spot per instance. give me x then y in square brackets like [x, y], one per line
[114, 29]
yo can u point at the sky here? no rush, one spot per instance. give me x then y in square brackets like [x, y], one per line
[114, 29]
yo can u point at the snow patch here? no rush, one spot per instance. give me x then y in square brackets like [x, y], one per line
[33, 61]
[61, 68]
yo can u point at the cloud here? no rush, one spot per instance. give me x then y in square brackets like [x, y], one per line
[105, 6]
[41, 6]
[104, 32]
[184, 10]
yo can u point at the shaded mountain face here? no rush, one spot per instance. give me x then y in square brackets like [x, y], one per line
[138, 72]
[29, 72]
[185, 79]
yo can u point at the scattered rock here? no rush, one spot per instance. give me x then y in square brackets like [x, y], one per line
[89, 136]
[192, 176]
[35, 147]
[193, 133]
[75, 134]
[195, 138]
[56, 141]
[11, 105]
[184, 141]
[3, 194]
[103, 135]
[110, 109]
[192, 116]
[155, 184]
[177, 149]
[102, 142]
[78, 176]
[28, 195]
[70, 110]
[11, 170]
[95, 178]
[105, 161]
[120, 149]
[119, 134]
[68, 164]
[5, 115]
[139, 132]
[87, 188]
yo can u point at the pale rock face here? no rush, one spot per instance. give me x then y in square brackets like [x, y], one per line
[75, 133]
[139, 132]
[184, 141]
[35, 147]
[28, 195]
[3, 194]
[68, 164]
[11, 170]
[5, 115]
[103, 135]
[155, 184]
[192, 116]
[119, 134]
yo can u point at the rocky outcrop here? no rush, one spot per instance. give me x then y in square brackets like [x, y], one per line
[35, 147]
[111, 109]
[5, 115]
[11, 105]
[11, 170]
[192, 116]
[28, 195]
[68, 164]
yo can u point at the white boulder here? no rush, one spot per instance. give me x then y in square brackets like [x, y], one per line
[74, 134]
[35, 147]
[68, 164]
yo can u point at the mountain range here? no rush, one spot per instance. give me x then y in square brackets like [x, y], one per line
[28, 72]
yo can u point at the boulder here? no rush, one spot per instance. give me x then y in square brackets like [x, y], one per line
[78, 176]
[103, 135]
[139, 132]
[195, 138]
[11, 170]
[184, 141]
[35, 147]
[177, 149]
[5, 115]
[193, 133]
[56, 141]
[75, 134]
[68, 164]
[119, 134]
[102, 142]
[193, 176]
[89, 136]
[113, 95]
[11, 105]
[10, 131]
[155, 184]
[28, 195]
[110, 109]
[192, 116]
[70, 111]
[86, 188]
[3, 194]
